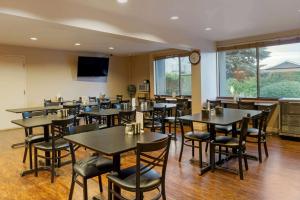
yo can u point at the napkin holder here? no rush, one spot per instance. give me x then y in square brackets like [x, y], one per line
[205, 113]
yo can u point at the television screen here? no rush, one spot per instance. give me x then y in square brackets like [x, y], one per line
[92, 66]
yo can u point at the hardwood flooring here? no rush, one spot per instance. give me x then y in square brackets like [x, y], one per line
[278, 177]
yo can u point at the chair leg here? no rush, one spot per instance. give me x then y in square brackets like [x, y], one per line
[175, 135]
[246, 161]
[240, 165]
[206, 147]
[53, 166]
[220, 153]
[193, 148]
[25, 152]
[30, 155]
[163, 191]
[72, 186]
[100, 184]
[109, 190]
[170, 127]
[85, 192]
[35, 162]
[259, 150]
[266, 149]
[200, 155]
[181, 150]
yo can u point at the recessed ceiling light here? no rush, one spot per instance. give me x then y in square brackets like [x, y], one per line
[299, 10]
[122, 1]
[174, 17]
[77, 44]
[111, 48]
[208, 29]
[33, 38]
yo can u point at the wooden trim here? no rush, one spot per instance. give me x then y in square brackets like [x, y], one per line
[260, 41]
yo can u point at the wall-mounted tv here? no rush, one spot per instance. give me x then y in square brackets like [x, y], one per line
[92, 66]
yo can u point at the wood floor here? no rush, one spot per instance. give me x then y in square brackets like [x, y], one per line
[278, 177]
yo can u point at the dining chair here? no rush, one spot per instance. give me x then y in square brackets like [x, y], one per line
[92, 99]
[31, 138]
[189, 138]
[142, 177]
[126, 117]
[214, 103]
[89, 167]
[157, 121]
[55, 146]
[239, 144]
[258, 135]
[181, 109]
[160, 99]
[119, 97]
[246, 105]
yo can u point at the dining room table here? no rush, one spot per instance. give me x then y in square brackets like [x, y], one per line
[39, 121]
[33, 109]
[112, 142]
[227, 117]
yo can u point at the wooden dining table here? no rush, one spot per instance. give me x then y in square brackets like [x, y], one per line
[39, 121]
[228, 117]
[112, 142]
[33, 109]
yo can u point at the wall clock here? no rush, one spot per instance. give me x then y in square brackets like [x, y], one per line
[195, 57]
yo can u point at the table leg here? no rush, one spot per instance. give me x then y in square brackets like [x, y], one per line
[108, 121]
[212, 149]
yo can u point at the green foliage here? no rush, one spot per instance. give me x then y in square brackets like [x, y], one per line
[281, 89]
[245, 88]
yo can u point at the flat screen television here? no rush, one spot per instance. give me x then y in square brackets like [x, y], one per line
[92, 66]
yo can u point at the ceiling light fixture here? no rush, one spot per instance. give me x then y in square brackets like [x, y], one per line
[111, 48]
[77, 44]
[174, 17]
[208, 29]
[299, 10]
[122, 1]
[33, 38]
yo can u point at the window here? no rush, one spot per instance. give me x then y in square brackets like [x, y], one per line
[173, 75]
[267, 72]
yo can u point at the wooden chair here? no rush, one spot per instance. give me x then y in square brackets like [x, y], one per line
[246, 105]
[142, 177]
[89, 167]
[55, 146]
[31, 138]
[259, 134]
[126, 117]
[239, 144]
[189, 139]
[157, 120]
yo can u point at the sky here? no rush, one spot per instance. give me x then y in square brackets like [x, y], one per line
[281, 53]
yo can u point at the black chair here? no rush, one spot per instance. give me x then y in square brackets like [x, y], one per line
[259, 134]
[55, 146]
[157, 121]
[74, 109]
[31, 138]
[142, 177]
[181, 109]
[189, 139]
[93, 99]
[126, 117]
[88, 168]
[160, 100]
[119, 97]
[214, 103]
[238, 144]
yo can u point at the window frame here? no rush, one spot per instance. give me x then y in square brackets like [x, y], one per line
[179, 76]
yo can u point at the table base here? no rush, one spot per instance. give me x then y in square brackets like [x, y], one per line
[31, 171]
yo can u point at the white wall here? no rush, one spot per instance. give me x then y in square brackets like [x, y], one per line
[52, 72]
[208, 76]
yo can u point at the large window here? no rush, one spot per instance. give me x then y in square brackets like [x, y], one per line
[267, 72]
[173, 75]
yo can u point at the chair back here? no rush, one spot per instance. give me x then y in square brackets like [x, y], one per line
[126, 117]
[73, 109]
[27, 115]
[214, 103]
[160, 100]
[92, 99]
[244, 130]
[106, 104]
[182, 107]
[80, 129]
[263, 121]
[158, 116]
[246, 105]
[59, 128]
[152, 155]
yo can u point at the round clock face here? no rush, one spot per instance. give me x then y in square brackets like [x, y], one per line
[194, 57]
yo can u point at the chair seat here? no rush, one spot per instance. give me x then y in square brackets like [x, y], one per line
[226, 129]
[254, 132]
[127, 178]
[34, 138]
[227, 141]
[155, 125]
[93, 166]
[196, 135]
[47, 146]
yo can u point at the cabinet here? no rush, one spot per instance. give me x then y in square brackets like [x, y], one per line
[290, 117]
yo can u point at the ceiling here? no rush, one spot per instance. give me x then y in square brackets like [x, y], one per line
[141, 25]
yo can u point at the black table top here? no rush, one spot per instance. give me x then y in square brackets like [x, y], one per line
[112, 141]
[31, 109]
[103, 112]
[36, 121]
[228, 117]
[156, 105]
